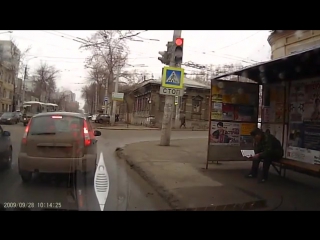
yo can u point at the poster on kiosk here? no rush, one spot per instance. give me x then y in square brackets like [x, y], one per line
[304, 122]
[234, 114]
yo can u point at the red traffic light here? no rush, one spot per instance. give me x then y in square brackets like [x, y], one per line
[179, 41]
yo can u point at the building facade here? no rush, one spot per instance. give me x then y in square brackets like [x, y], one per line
[7, 77]
[144, 105]
[10, 54]
[286, 42]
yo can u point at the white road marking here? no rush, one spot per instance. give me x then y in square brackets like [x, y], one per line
[101, 182]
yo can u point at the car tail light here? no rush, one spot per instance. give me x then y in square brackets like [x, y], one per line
[24, 138]
[87, 134]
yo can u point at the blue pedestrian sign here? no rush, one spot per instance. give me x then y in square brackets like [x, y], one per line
[172, 77]
[106, 99]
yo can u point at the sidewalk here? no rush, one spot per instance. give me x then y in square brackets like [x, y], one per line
[177, 173]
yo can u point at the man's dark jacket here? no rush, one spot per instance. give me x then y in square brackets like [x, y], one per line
[269, 147]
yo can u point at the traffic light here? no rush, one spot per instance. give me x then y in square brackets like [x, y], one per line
[166, 55]
[178, 51]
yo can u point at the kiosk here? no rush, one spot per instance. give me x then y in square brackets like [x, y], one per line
[290, 110]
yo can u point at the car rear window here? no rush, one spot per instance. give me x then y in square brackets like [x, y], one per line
[7, 114]
[55, 124]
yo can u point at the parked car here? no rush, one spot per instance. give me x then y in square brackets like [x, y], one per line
[61, 142]
[102, 118]
[9, 118]
[5, 149]
[94, 117]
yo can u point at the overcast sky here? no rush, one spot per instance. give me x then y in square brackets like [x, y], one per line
[202, 47]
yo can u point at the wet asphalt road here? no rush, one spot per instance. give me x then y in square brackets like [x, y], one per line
[128, 191]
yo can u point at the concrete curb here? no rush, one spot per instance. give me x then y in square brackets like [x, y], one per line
[144, 129]
[173, 201]
[115, 128]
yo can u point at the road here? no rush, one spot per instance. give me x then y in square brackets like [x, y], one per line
[128, 191]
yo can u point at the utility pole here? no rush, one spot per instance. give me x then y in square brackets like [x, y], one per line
[24, 84]
[114, 103]
[96, 106]
[106, 95]
[169, 100]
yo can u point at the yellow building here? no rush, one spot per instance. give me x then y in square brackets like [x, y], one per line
[287, 42]
[6, 88]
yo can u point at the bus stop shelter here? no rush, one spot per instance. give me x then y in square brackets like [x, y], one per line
[290, 110]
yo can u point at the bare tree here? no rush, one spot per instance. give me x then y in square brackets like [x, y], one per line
[45, 80]
[108, 51]
[59, 99]
[98, 76]
[88, 94]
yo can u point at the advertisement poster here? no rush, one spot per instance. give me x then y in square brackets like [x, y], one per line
[228, 111]
[216, 113]
[274, 108]
[247, 128]
[245, 134]
[225, 133]
[277, 103]
[217, 92]
[312, 101]
[266, 114]
[297, 92]
[296, 110]
[276, 94]
[245, 113]
[279, 110]
[235, 92]
[311, 135]
[304, 118]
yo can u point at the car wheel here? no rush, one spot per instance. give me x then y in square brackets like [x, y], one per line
[8, 162]
[26, 176]
[100, 121]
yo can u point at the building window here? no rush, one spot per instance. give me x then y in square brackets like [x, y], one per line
[196, 104]
[183, 104]
[10, 95]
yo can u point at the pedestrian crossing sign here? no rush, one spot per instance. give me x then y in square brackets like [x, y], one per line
[172, 77]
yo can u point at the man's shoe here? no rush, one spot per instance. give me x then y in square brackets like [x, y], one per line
[250, 176]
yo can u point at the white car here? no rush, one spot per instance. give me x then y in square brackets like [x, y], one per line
[94, 117]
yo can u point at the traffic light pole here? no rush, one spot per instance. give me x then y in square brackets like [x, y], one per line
[169, 102]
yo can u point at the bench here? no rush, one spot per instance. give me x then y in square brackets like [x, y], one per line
[301, 167]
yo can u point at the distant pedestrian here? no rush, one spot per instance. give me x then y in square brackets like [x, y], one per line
[183, 121]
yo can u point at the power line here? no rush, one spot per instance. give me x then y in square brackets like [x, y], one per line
[238, 41]
[83, 58]
[65, 37]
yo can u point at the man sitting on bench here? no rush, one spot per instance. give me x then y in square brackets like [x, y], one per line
[267, 148]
